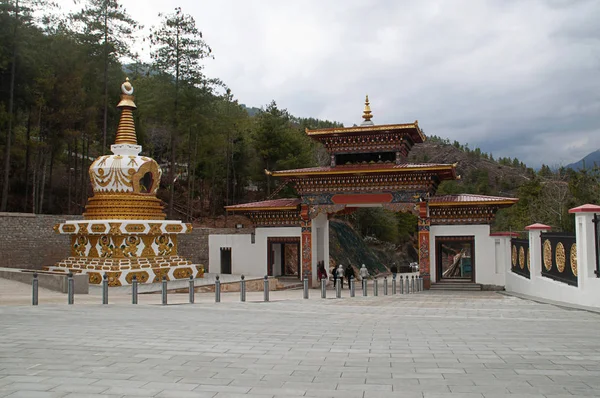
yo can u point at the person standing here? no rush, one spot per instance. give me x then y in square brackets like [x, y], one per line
[364, 272]
[333, 273]
[349, 273]
[321, 273]
[340, 275]
[394, 269]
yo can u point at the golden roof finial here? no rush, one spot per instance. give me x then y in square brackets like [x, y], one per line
[126, 129]
[367, 112]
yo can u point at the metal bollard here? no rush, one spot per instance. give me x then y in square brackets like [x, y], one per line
[393, 285]
[323, 288]
[243, 289]
[134, 290]
[164, 290]
[376, 287]
[104, 289]
[34, 287]
[217, 290]
[407, 285]
[401, 284]
[70, 289]
[413, 284]
[422, 283]
[266, 288]
[418, 283]
[352, 287]
[338, 288]
[385, 286]
[364, 287]
[191, 289]
[305, 285]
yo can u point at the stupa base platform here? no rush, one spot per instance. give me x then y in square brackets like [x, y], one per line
[120, 272]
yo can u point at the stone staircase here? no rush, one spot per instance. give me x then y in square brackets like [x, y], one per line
[456, 285]
[289, 283]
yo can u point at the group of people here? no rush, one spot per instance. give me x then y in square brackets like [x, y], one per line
[339, 273]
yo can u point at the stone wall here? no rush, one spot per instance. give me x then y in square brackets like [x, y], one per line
[28, 240]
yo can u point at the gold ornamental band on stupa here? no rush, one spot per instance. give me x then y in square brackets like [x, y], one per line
[125, 183]
[126, 130]
[367, 111]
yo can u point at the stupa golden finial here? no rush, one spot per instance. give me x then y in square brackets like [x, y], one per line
[126, 130]
[367, 112]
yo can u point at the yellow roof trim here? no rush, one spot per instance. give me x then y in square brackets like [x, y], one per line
[261, 208]
[489, 202]
[356, 129]
[358, 171]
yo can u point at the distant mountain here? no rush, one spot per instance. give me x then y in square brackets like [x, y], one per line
[251, 110]
[587, 162]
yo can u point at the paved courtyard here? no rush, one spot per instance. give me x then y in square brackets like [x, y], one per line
[430, 344]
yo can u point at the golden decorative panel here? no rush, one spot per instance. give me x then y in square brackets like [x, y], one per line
[574, 258]
[95, 278]
[130, 246]
[528, 257]
[182, 273]
[135, 227]
[68, 228]
[80, 245]
[174, 228]
[547, 255]
[560, 257]
[155, 229]
[514, 256]
[141, 276]
[165, 247]
[98, 228]
[159, 273]
[522, 257]
[113, 278]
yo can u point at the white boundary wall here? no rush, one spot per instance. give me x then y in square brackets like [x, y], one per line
[587, 293]
[488, 250]
[246, 257]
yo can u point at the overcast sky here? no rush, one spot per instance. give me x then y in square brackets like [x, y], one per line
[514, 77]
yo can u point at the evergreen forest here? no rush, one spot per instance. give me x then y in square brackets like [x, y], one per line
[60, 80]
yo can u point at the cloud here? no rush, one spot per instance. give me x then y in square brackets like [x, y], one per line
[517, 78]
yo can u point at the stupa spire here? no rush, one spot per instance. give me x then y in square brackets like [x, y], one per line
[126, 130]
[367, 113]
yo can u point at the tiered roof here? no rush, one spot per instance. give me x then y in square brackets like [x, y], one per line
[368, 165]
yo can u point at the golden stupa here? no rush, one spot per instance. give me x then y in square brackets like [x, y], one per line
[124, 231]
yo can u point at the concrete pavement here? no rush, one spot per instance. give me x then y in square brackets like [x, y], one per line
[427, 345]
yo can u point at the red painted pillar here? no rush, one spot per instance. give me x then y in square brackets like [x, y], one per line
[306, 244]
[424, 225]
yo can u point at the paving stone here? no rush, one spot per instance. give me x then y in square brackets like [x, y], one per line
[427, 345]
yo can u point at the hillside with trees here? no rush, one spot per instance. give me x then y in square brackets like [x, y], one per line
[59, 84]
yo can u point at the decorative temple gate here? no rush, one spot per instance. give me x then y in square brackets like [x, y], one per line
[368, 168]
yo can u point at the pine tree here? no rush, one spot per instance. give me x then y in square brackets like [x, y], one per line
[178, 50]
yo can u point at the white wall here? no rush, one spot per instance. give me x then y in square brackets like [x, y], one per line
[246, 258]
[485, 248]
[587, 293]
[320, 244]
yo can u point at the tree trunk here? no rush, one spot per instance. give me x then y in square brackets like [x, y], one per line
[82, 179]
[189, 179]
[27, 160]
[105, 80]
[173, 130]
[69, 161]
[11, 100]
[43, 184]
[50, 172]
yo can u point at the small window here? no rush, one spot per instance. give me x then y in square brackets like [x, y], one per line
[146, 183]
